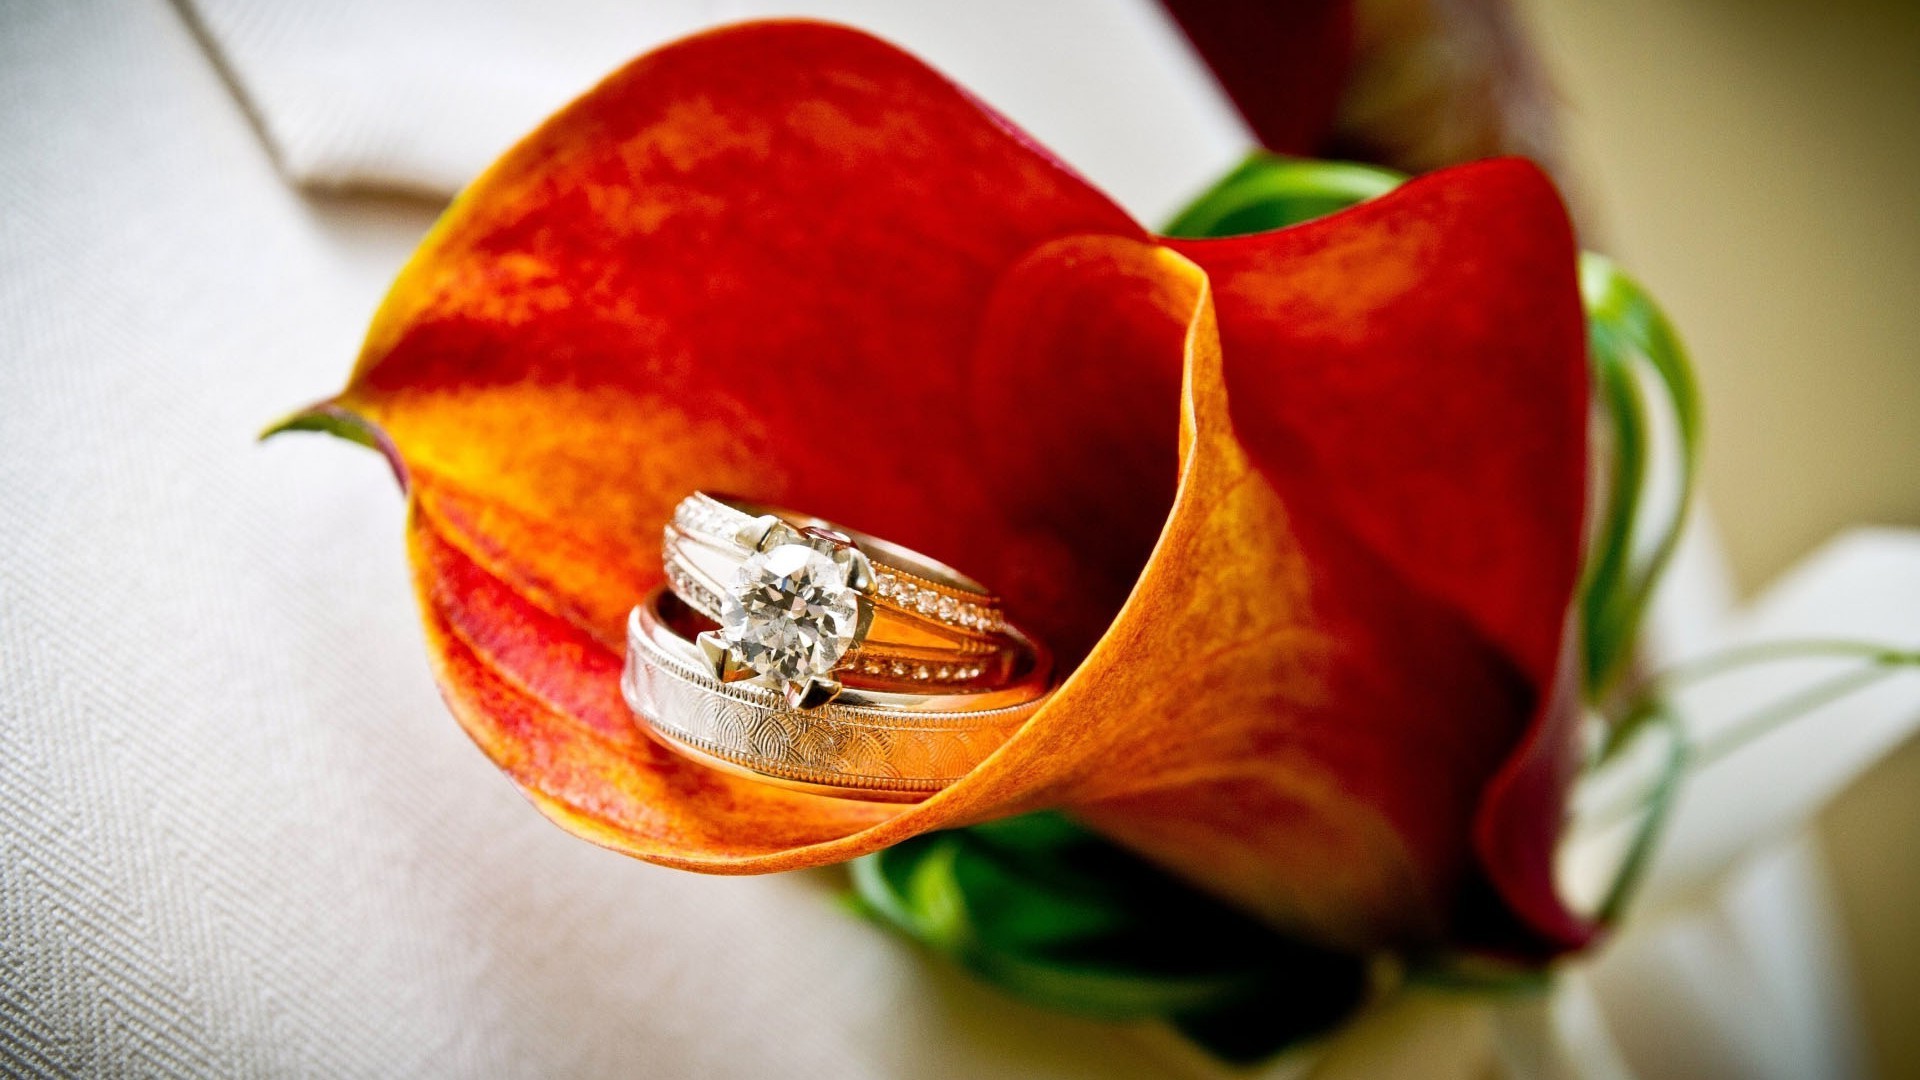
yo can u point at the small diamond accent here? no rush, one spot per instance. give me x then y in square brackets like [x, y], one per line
[698, 515]
[703, 516]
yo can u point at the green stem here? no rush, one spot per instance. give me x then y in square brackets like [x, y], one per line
[1729, 660]
[1659, 805]
[1653, 707]
[1817, 696]
[1627, 335]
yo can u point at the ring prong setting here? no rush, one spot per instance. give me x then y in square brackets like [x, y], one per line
[755, 534]
[812, 693]
[859, 568]
[719, 657]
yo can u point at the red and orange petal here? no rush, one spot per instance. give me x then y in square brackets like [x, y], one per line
[1303, 508]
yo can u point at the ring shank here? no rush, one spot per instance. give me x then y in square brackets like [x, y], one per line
[885, 551]
[888, 747]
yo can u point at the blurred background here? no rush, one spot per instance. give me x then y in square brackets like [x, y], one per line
[1754, 162]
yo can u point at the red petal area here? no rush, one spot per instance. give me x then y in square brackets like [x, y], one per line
[1419, 363]
[538, 690]
[1416, 368]
[755, 261]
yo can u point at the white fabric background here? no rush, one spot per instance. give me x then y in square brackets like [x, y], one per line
[239, 836]
[421, 94]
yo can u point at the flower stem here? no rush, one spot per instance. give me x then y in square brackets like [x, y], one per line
[1653, 707]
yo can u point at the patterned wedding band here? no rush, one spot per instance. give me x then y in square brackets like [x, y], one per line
[809, 607]
[865, 744]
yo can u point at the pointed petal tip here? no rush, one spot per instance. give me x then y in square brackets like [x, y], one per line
[331, 418]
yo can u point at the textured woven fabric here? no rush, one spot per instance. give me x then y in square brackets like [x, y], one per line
[239, 835]
[421, 94]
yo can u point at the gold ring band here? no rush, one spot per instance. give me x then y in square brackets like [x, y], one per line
[815, 606]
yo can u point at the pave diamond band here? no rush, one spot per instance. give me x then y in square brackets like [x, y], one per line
[871, 745]
[808, 607]
[904, 580]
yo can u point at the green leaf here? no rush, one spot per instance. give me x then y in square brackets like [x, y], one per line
[331, 420]
[1655, 811]
[1636, 357]
[1052, 913]
[1268, 192]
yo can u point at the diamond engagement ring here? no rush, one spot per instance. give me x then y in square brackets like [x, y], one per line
[873, 745]
[808, 608]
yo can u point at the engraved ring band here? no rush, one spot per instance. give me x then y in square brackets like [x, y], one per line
[871, 745]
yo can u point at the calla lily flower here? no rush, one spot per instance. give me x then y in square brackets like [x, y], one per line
[1300, 512]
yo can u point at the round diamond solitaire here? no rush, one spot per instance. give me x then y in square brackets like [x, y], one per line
[800, 601]
[790, 614]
